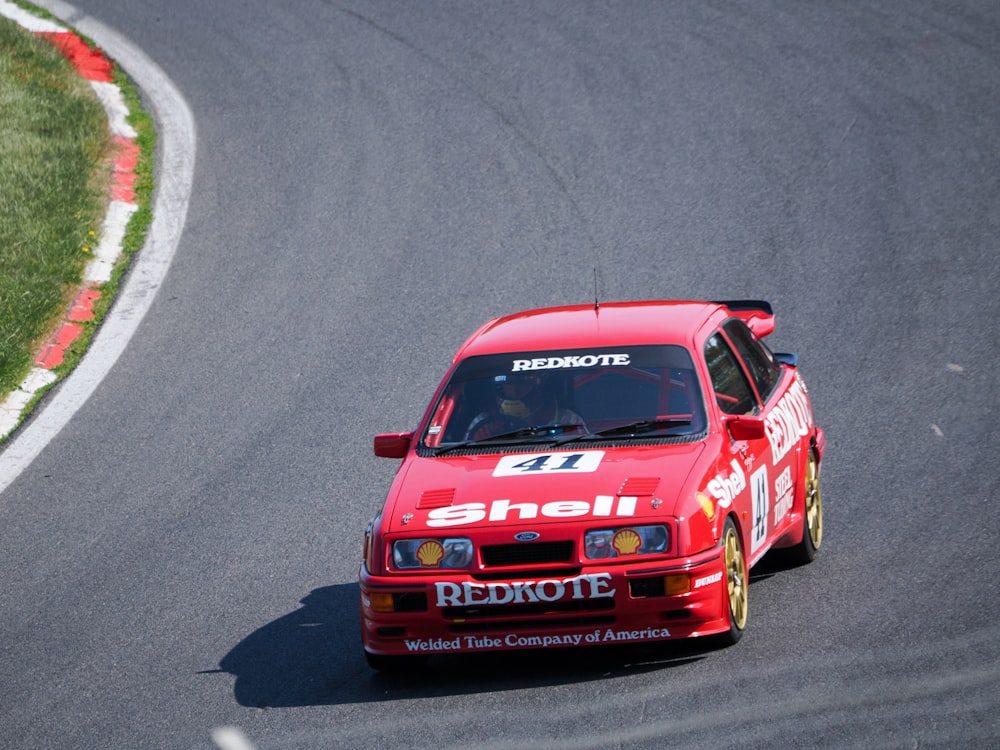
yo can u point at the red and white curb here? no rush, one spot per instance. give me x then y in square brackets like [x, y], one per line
[95, 67]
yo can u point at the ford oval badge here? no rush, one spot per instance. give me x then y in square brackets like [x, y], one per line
[526, 536]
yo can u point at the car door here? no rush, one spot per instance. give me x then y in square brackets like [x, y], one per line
[744, 463]
[772, 481]
[747, 380]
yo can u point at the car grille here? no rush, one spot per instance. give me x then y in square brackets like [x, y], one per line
[536, 553]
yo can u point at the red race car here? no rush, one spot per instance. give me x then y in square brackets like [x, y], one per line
[593, 474]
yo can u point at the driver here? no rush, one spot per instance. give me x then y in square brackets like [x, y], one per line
[522, 400]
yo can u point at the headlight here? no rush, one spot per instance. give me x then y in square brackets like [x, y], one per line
[634, 540]
[410, 554]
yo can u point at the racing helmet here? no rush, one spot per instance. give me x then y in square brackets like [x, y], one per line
[520, 394]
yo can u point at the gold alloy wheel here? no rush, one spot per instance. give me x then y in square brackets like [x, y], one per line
[814, 502]
[736, 573]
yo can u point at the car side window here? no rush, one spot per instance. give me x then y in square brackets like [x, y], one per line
[732, 390]
[761, 364]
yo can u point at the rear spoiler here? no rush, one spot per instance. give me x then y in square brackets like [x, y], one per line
[756, 313]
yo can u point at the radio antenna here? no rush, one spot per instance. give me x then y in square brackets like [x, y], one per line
[597, 304]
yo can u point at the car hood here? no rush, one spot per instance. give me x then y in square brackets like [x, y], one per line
[493, 491]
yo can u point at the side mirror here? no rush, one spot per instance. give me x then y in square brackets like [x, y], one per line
[393, 444]
[787, 358]
[746, 428]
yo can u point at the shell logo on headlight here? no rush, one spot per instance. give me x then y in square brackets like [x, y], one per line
[707, 506]
[626, 542]
[430, 553]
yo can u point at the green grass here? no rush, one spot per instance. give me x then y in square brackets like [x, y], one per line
[55, 174]
[53, 137]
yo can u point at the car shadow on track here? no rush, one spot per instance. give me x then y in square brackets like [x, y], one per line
[312, 656]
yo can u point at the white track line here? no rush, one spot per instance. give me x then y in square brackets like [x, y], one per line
[175, 175]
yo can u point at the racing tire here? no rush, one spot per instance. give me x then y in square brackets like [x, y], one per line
[812, 516]
[737, 580]
[383, 663]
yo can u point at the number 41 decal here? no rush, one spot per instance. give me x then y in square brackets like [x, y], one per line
[761, 506]
[533, 464]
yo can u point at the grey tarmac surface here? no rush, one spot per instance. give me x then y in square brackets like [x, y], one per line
[372, 181]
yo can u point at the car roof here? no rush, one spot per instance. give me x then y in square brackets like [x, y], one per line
[591, 326]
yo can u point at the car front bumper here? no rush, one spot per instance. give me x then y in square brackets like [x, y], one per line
[595, 605]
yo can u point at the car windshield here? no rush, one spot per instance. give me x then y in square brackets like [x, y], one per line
[567, 395]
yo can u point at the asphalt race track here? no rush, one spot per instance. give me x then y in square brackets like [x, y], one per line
[372, 181]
